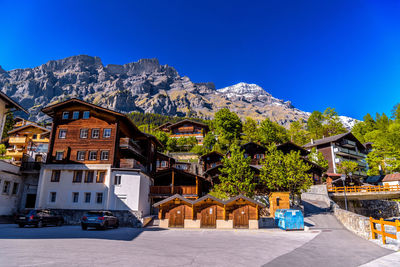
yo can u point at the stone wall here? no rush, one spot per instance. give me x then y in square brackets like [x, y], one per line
[373, 208]
[126, 218]
[355, 223]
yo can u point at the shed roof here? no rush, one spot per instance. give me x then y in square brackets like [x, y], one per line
[11, 103]
[392, 177]
[27, 126]
[330, 139]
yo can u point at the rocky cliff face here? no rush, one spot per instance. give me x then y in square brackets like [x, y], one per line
[144, 86]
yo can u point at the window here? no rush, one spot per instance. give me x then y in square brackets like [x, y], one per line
[6, 187]
[86, 115]
[42, 136]
[34, 136]
[77, 177]
[15, 188]
[53, 197]
[100, 176]
[107, 133]
[117, 180]
[75, 115]
[104, 155]
[99, 198]
[89, 177]
[87, 197]
[163, 164]
[62, 134]
[75, 197]
[84, 133]
[92, 155]
[95, 133]
[65, 115]
[59, 155]
[80, 155]
[55, 176]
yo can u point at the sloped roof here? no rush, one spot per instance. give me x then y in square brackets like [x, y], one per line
[211, 153]
[392, 177]
[176, 196]
[326, 140]
[27, 126]
[11, 103]
[374, 179]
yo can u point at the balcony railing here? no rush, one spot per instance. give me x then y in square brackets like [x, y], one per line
[171, 190]
[360, 163]
[31, 166]
[17, 140]
[345, 151]
[349, 143]
[128, 143]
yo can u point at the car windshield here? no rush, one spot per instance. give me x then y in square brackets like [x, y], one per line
[29, 212]
[95, 213]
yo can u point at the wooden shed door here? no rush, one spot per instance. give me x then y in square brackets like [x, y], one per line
[209, 217]
[177, 216]
[241, 217]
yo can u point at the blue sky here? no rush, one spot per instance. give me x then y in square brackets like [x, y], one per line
[341, 54]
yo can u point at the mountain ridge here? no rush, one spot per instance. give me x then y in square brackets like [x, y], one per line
[142, 86]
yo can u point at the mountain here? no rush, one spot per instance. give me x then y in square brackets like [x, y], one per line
[143, 86]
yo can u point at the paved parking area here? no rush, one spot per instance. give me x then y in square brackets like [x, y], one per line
[70, 246]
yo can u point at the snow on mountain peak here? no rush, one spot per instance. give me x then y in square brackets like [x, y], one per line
[243, 89]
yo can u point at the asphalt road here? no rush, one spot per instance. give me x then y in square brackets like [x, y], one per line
[326, 244]
[334, 246]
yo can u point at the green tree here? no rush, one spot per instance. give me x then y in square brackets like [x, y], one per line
[332, 124]
[346, 167]
[382, 122]
[162, 137]
[209, 142]
[318, 158]
[172, 144]
[314, 125]
[3, 149]
[236, 175]
[272, 133]
[227, 126]
[298, 133]
[9, 124]
[396, 113]
[250, 131]
[285, 172]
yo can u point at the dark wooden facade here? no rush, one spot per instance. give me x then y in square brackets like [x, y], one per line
[84, 133]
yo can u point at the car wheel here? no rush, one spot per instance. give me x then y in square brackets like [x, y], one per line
[84, 227]
[21, 225]
[59, 223]
[39, 224]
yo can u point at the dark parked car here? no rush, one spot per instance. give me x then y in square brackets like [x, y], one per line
[39, 218]
[99, 220]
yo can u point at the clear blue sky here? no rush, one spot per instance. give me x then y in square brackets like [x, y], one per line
[342, 54]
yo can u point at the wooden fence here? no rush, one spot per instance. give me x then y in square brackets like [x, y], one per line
[375, 232]
[363, 189]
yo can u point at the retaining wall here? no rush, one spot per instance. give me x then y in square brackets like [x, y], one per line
[317, 193]
[355, 223]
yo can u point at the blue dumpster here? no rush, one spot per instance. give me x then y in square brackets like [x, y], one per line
[288, 219]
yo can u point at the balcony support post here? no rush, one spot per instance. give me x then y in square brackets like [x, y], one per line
[197, 185]
[173, 182]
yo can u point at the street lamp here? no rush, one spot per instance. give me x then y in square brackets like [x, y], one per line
[343, 178]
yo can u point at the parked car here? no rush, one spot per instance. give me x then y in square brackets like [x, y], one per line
[99, 220]
[38, 218]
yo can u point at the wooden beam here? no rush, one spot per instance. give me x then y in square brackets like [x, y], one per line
[224, 212]
[197, 185]
[173, 182]
[160, 212]
[256, 212]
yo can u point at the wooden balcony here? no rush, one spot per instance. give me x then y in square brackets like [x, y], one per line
[17, 139]
[188, 190]
[129, 144]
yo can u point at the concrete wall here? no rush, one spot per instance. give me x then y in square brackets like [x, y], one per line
[164, 223]
[192, 223]
[9, 174]
[355, 223]
[317, 193]
[224, 224]
[253, 224]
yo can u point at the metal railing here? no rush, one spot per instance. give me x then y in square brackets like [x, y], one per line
[375, 232]
[363, 189]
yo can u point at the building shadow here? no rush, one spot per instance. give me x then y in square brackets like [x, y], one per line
[11, 231]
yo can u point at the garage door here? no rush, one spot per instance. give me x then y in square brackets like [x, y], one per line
[209, 217]
[177, 216]
[241, 217]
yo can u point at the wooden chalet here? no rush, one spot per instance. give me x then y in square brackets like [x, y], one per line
[84, 133]
[186, 128]
[168, 182]
[164, 161]
[209, 212]
[211, 163]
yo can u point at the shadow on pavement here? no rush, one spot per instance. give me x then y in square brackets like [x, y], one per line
[12, 231]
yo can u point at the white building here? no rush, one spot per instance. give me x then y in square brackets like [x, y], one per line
[391, 179]
[11, 184]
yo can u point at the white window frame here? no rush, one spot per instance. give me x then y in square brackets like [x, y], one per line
[104, 133]
[65, 115]
[60, 153]
[117, 180]
[73, 115]
[97, 197]
[102, 153]
[51, 197]
[60, 136]
[84, 136]
[6, 190]
[98, 133]
[90, 197]
[90, 155]
[73, 197]
[79, 154]
[86, 112]
[15, 184]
